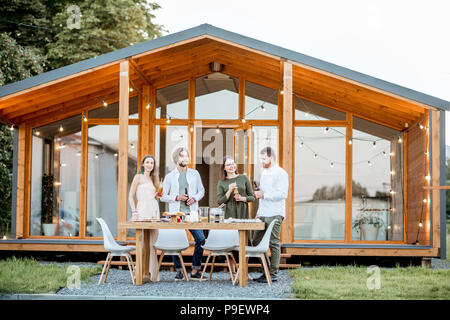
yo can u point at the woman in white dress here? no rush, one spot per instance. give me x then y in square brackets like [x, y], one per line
[144, 187]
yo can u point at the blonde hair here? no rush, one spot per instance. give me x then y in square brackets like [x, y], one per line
[176, 154]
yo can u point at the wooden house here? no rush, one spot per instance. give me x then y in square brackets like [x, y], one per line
[365, 157]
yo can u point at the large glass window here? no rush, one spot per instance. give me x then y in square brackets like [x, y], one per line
[262, 136]
[260, 102]
[55, 179]
[102, 179]
[319, 198]
[216, 97]
[172, 101]
[307, 110]
[377, 205]
[167, 139]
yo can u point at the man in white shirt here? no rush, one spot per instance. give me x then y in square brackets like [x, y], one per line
[274, 185]
[182, 189]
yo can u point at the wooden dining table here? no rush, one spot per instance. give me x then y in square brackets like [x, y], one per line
[143, 241]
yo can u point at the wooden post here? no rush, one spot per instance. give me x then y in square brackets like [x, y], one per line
[83, 175]
[287, 139]
[436, 178]
[348, 178]
[145, 122]
[122, 194]
[191, 116]
[20, 208]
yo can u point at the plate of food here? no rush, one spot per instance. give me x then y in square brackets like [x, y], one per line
[174, 216]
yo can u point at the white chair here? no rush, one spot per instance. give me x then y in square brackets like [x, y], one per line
[259, 252]
[220, 242]
[114, 250]
[172, 242]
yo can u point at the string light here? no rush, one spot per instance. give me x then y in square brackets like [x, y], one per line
[115, 155]
[37, 133]
[84, 118]
[61, 129]
[217, 129]
[420, 224]
[315, 156]
[242, 120]
[168, 120]
[326, 130]
[132, 146]
[332, 165]
[104, 103]
[420, 125]
[96, 156]
[148, 106]
[263, 108]
[369, 163]
[131, 89]
[191, 129]
[374, 144]
[11, 128]
[350, 141]
[399, 139]
[301, 144]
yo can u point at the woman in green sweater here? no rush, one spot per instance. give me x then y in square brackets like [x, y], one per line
[236, 201]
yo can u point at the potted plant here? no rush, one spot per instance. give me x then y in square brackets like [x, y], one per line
[368, 221]
[48, 227]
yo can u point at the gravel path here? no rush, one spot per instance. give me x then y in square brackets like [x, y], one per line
[119, 284]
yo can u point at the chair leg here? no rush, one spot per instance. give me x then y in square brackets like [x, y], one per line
[206, 265]
[182, 265]
[107, 268]
[159, 264]
[130, 267]
[104, 268]
[212, 268]
[266, 269]
[229, 265]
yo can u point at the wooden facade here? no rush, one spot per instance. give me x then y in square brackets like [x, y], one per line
[188, 57]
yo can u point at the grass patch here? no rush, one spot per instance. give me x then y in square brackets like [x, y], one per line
[25, 275]
[349, 283]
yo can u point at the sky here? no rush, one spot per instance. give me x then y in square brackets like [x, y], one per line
[403, 42]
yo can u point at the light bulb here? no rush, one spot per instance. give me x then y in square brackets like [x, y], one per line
[217, 130]
[191, 129]
[301, 144]
[37, 132]
[96, 156]
[281, 91]
[148, 106]
[420, 224]
[263, 108]
[132, 146]
[326, 130]
[61, 129]
[84, 118]
[374, 144]
[427, 178]
[131, 89]
[243, 120]
[420, 125]
[315, 155]
[350, 141]
[306, 114]
[168, 120]
[11, 128]
[399, 139]
[369, 163]
[104, 103]
[332, 165]
[392, 172]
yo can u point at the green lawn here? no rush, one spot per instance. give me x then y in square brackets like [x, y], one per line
[350, 283]
[26, 275]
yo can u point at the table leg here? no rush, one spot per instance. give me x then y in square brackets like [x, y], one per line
[146, 255]
[139, 258]
[243, 267]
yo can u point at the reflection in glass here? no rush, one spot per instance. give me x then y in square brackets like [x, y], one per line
[167, 140]
[260, 102]
[55, 179]
[319, 198]
[216, 97]
[307, 110]
[111, 111]
[377, 202]
[262, 137]
[102, 179]
[172, 101]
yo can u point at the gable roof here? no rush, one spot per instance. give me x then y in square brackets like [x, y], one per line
[207, 29]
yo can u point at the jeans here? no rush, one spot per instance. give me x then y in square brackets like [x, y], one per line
[198, 251]
[274, 244]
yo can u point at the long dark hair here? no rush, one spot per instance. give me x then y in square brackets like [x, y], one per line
[223, 172]
[154, 174]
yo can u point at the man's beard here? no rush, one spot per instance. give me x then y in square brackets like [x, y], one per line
[266, 165]
[182, 164]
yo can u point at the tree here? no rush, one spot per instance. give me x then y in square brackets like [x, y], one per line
[17, 63]
[35, 38]
[100, 26]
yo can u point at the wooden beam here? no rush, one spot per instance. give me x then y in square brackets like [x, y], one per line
[348, 178]
[21, 162]
[436, 177]
[122, 193]
[241, 97]
[83, 176]
[287, 142]
[145, 100]
[139, 72]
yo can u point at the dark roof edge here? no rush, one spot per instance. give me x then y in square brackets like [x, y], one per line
[232, 37]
